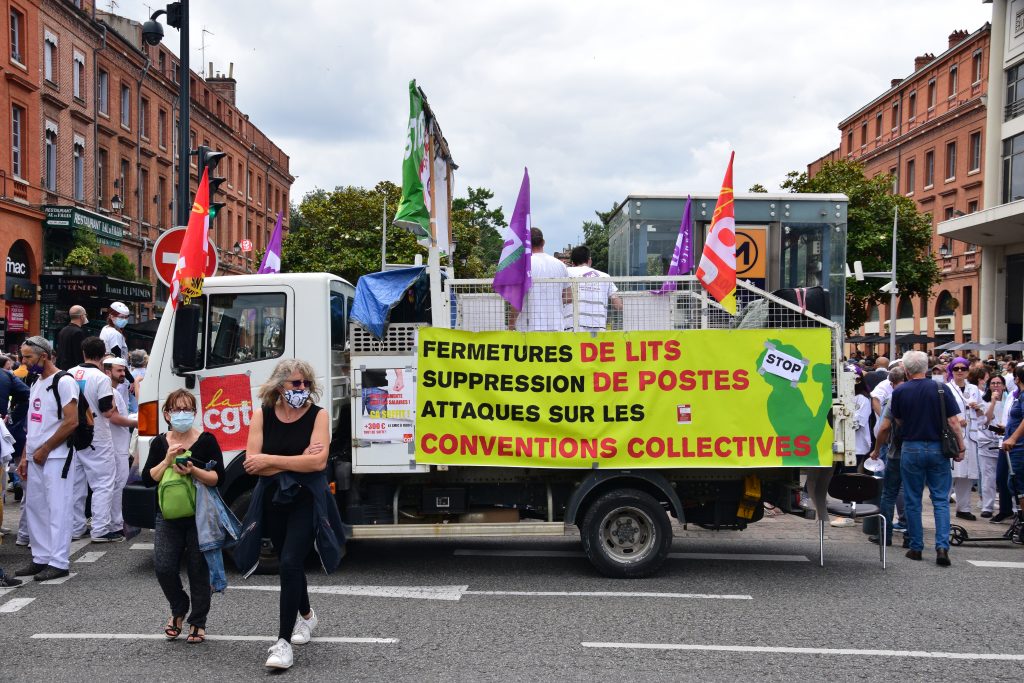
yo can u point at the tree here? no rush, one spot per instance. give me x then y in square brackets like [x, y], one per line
[339, 232]
[758, 188]
[596, 235]
[476, 229]
[869, 234]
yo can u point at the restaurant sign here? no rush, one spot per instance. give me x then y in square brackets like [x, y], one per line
[109, 231]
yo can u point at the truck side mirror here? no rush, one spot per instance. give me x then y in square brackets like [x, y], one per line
[185, 355]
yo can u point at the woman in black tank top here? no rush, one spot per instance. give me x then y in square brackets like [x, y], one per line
[290, 434]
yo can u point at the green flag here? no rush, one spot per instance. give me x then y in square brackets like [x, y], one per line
[414, 210]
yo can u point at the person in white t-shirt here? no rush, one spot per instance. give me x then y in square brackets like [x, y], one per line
[542, 310]
[594, 294]
[94, 466]
[45, 464]
[120, 438]
[113, 338]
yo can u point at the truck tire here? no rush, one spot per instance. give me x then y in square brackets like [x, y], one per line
[268, 560]
[626, 534]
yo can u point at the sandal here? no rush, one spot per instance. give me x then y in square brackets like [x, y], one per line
[194, 635]
[173, 628]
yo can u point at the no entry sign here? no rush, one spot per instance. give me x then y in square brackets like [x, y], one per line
[165, 255]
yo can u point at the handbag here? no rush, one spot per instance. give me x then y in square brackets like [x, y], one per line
[176, 495]
[950, 444]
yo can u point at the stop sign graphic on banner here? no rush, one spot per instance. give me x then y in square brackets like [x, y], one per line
[165, 255]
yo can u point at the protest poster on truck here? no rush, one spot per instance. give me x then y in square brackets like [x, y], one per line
[226, 409]
[700, 398]
[384, 406]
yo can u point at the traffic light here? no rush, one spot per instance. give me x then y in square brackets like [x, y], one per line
[208, 160]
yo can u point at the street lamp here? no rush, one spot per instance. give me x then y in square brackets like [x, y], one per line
[944, 250]
[890, 286]
[115, 203]
[152, 34]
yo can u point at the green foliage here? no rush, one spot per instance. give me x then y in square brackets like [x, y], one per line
[93, 262]
[476, 229]
[339, 232]
[121, 267]
[869, 234]
[758, 188]
[80, 257]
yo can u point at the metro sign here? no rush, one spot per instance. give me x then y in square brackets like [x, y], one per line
[165, 255]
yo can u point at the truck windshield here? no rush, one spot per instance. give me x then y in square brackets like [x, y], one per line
[245, 328]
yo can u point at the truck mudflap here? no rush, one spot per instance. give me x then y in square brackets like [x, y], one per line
[138, 506]
[599, 481]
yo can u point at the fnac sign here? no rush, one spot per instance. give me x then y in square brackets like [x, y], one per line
[227, 409]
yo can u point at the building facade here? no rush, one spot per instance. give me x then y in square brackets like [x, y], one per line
[928, 131]
[998, 226]
[93, 124]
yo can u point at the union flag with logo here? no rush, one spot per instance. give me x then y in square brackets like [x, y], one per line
[187, 282]
[717, 269]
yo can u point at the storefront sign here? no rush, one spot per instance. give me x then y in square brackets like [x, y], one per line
[109, 231]
[16, 318]
[20, 289]
[72, 289]
[227, 408]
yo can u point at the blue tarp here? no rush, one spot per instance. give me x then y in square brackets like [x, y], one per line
[378, 293]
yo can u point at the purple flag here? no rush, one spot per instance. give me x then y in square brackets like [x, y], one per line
[682, 254]
[512, 278]
[272, 258]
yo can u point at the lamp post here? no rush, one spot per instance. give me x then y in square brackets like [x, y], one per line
[890, 286]
[152, 34]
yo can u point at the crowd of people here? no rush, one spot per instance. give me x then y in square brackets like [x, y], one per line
[899, 409]
[67, 431]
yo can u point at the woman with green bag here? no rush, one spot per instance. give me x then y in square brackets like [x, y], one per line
[177, 459]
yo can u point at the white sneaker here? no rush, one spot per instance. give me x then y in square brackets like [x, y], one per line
[842, 521]
[303, 630]
[280, 655]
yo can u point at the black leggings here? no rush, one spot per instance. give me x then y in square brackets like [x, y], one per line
[290, 527]
[176, 538]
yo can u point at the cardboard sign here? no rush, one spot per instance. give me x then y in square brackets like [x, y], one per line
[226, 404]
[385, 406]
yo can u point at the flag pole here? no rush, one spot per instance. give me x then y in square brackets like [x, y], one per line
[384, 235]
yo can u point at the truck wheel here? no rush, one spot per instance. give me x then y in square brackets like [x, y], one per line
[268, 560]
[626, 534]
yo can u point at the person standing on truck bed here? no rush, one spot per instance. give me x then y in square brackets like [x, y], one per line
[177, 538]
[542, 310]
[595, 293]
[916, 408]
[292, 504]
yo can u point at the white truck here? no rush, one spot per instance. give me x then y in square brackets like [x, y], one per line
[391, 484]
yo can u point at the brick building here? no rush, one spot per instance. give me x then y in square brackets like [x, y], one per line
[927, 131]
[97, 110]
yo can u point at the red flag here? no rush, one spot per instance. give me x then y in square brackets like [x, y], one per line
[187, 282]
[717, 269]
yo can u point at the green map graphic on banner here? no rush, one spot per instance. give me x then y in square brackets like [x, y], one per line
[699, 398]
[414, 210]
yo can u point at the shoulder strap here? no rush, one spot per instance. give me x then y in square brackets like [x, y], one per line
[56, 392]
[942, 405]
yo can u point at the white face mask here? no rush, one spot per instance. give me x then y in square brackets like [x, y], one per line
[939, 379]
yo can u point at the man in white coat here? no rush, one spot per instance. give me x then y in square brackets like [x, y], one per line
[972, 412]
[48, 500]
[120, 438]
[113, 338]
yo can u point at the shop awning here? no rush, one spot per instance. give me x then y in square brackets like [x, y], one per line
[915, 339]
[1015, 346]
[856, 339]
[948, 346]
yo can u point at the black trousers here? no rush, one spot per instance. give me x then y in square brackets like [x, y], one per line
[175, 538]
[290, 528]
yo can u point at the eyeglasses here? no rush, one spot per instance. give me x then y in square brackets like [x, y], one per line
[296, 383]
[959, 368]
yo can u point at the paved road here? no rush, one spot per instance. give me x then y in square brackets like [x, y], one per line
[535, 610]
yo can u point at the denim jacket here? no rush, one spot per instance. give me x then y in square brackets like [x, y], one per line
[330, 533]
[215, 523]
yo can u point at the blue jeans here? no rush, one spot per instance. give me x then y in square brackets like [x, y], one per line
[891, 484]
[1003, 484]
[1016, 480]
[922, 462]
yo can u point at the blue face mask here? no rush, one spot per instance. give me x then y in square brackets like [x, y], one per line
[182, 420]
[120, 323]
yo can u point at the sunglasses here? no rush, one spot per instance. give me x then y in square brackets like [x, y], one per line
[959, 368]
[297, 383]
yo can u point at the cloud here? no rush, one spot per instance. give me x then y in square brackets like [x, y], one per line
[599, 99]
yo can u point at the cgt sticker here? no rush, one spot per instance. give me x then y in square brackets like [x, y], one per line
[782, 365]
[227, 409]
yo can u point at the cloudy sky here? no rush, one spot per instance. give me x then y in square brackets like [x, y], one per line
[599, 99]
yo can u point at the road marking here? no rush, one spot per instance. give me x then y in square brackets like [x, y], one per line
[809, 651]
[454, 593]
[141, 546]
[612, 594]
[78, 545]
[160, 636]
[5, 591]
[993, 563]
[750, 557]
[409, 592]
[15, 604]
[57, 582]
[91, 557]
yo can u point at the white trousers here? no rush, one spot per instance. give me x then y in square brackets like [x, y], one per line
[962, 489]
[48, 510]
[987, 469]
[23, 521]
[120, 481]
[94, 469]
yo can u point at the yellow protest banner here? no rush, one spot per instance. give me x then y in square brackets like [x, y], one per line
[700, 398]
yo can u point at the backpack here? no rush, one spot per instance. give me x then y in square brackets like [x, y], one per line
[81, 438]
[176, 495]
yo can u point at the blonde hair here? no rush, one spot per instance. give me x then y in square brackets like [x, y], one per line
[282, 371]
